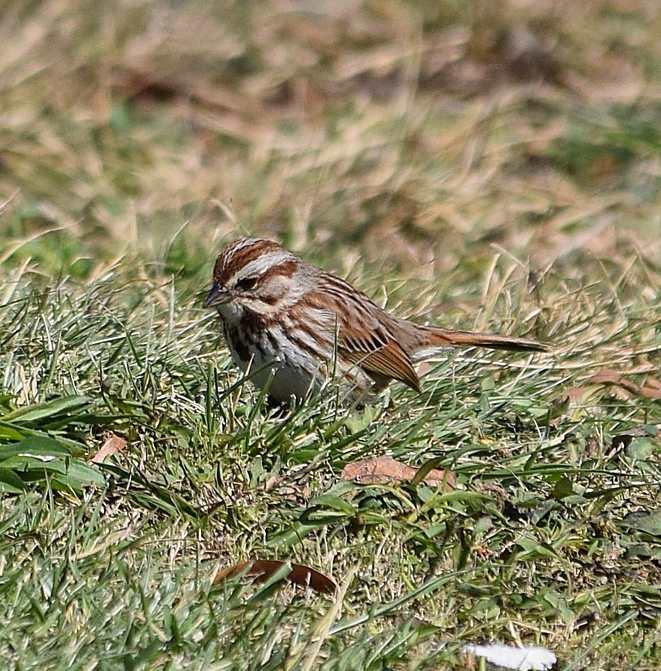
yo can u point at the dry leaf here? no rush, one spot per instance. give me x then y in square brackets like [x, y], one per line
[608, 376]
[263, 569]
[625, 438]
[113, 445]
[385, 470]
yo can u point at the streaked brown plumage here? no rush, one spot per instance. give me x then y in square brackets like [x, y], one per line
[295, 325]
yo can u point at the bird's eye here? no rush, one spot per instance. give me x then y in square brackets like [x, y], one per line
[247, 283]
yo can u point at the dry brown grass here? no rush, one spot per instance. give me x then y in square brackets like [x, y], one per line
[435, 132]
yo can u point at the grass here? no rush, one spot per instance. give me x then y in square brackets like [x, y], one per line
[491, 169]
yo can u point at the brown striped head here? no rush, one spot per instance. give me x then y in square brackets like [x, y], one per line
[252, 274]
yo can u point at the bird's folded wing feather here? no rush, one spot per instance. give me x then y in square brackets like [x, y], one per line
[360, 335]
[377, 352]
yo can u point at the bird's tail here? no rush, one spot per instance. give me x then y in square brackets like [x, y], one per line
[439, 337]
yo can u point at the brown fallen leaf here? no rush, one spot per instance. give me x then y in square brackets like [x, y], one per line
[652, 388]
[386, 470]
[113, 445]
[263, 569]
[624, 439]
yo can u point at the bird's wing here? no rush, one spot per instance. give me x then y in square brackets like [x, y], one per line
[361, 332]
[366, 341]
[379, 355]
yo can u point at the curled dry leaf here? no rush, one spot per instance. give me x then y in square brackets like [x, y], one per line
[263, 569]
[625, 438]
[652, 388]
[386, 470]
[113, 445]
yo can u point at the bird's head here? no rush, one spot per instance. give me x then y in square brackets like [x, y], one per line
[253, 276]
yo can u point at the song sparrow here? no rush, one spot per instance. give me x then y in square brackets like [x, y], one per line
[295, 325]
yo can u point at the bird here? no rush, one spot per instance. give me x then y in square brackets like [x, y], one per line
[294, 326]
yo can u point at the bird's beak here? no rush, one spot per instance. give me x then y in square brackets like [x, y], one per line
[217, 296]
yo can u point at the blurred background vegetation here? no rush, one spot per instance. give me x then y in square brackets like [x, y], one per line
[416, 133]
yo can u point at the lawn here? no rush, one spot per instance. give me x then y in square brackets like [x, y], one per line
[477, 165]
